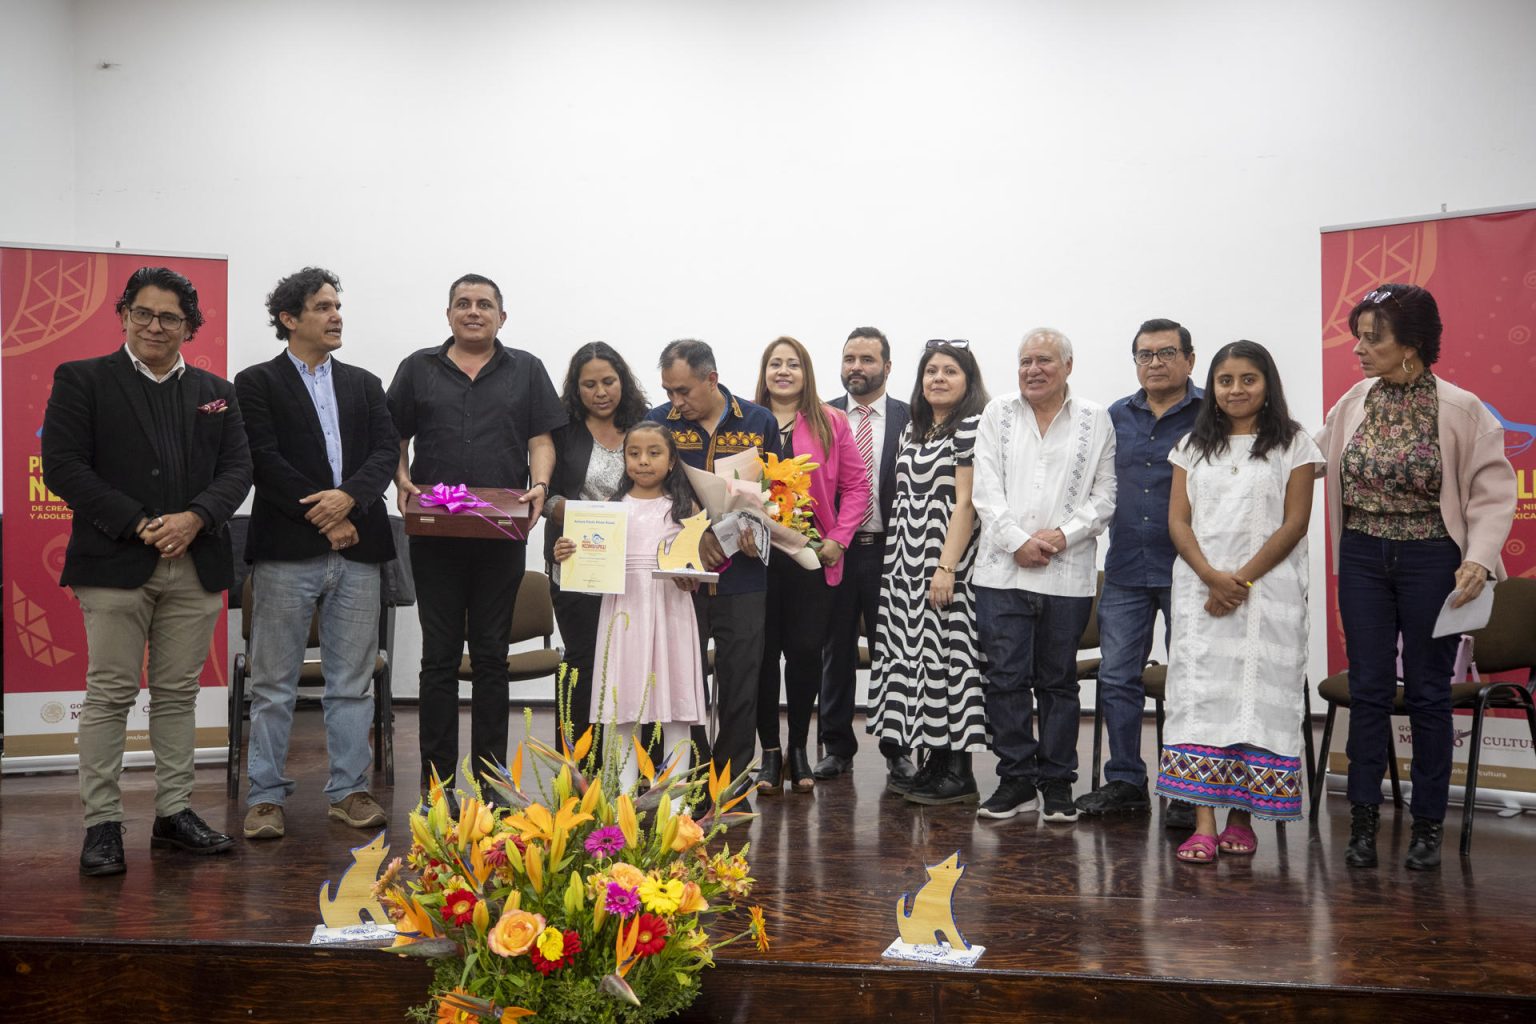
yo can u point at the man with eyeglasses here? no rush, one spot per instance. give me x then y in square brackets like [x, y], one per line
[151, 456]
[1044, 489]
[1138, 571]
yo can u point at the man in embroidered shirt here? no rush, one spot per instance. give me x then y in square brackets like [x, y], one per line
[324, 450]
[707, 421]
[480, 414]
[1138, 571]
[1044, 490]
[151, 456]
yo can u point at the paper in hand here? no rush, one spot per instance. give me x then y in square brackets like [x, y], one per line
[1470, 616]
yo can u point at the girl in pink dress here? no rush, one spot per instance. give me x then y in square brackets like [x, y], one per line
[648, 666]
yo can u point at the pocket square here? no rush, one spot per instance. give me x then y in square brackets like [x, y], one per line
[218, 405]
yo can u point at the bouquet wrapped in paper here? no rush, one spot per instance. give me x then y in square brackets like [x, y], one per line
[774, 492]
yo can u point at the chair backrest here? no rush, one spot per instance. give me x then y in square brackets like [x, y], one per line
[533, 617]
[1090, 638]
[1508, 642]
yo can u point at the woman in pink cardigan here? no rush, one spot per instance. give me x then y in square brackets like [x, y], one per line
[1420, 500]
[800, 599]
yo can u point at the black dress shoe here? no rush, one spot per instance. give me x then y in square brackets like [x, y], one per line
[1179, 816]
[103, 850]
[899, 774]
[799, 770]
[770, 773]
[831, 766]
[186, 831]
[1424, 846]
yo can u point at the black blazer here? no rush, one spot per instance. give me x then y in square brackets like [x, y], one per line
[98, 457]
[573, 453]
[288, 451]
[897, 415]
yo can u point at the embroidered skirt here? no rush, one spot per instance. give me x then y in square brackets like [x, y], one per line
[1241, 777]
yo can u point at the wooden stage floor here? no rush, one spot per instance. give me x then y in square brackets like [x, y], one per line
[1092, 920]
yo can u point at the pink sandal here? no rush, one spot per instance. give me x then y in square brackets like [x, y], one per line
[1238, 841]
[1197, 844]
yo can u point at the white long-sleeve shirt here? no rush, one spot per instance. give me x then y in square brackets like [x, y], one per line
[1025, 482]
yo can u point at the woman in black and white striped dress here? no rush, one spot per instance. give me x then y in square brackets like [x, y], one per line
[929, 688]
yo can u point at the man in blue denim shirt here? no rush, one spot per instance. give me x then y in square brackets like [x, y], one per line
[1138, 571]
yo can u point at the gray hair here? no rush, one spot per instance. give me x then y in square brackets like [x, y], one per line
[1062, 342]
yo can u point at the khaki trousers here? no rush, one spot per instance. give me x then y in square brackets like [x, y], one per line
[173, 616]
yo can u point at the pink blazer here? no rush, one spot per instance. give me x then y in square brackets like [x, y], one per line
[840, 486]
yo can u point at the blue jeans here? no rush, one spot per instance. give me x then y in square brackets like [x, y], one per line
[1030, 641]
[285, 597]
[1386, 588]
[1127, 617]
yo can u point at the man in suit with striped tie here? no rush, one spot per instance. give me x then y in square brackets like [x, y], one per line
[877, 421]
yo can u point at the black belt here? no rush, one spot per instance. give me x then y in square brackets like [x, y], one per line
[869, 538]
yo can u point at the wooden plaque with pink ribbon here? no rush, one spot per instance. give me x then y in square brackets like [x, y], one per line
[455, 510]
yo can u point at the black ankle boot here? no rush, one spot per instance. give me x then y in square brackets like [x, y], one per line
[952, 783]
[770, 772]
[799, 767]
[1364, 820]
[1424, 846]
[928, 762]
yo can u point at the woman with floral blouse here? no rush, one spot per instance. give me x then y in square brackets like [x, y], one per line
[1420, 500]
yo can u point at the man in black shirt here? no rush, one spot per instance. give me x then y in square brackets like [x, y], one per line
[481, 415]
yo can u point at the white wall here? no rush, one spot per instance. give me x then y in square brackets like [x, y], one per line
[642, 171]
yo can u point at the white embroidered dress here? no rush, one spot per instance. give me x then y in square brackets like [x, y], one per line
[1237, 679]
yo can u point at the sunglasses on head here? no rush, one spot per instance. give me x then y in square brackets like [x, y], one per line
[952, 343]
[1378, 296]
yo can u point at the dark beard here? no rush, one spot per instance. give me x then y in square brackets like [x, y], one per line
[856, 386]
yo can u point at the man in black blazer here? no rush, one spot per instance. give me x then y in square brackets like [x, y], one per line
[877, 421]
[324, 449]
[151, 456]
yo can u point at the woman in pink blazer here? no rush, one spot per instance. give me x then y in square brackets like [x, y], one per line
[799, 607]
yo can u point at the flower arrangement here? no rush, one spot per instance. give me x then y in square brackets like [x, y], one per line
[566, 904]
[787, 497]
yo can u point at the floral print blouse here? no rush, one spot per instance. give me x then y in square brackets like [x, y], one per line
[1391, 467]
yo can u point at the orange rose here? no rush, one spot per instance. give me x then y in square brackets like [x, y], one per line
[627, 875]
[515, 932]
[689, 834]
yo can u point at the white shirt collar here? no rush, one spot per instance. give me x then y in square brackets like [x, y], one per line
[138, 364]
[877, 406]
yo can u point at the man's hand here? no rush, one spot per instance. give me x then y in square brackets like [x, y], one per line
[404, 491]
[534, 498]
[330, 507]
[1034, 553]
[342, 535]
[172, 534]
[710, 551]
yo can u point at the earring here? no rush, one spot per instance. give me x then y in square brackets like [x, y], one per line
[1407, 364]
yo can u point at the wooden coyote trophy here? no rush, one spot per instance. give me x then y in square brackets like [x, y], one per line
[926, 920]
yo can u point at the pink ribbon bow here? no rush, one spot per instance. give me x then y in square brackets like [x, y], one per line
[454, 499]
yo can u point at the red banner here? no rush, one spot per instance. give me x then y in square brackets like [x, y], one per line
[57, 305]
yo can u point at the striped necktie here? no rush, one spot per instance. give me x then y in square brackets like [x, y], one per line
[864, 438]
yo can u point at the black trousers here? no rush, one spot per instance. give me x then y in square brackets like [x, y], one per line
[465, 590]
[577, 615]
[795, 626]
[735, 623]
[857, 595]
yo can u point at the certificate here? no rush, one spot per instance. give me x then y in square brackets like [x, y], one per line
[598, 529]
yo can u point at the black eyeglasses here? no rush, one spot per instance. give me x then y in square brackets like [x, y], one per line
[952, 343]
[1162, 355]
[144, 317]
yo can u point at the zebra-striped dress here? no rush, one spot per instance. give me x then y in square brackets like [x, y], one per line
[927, 673]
